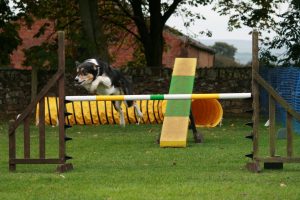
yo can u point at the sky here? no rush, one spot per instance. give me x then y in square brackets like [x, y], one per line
[215, 23]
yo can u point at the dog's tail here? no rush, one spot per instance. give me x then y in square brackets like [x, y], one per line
[127, 89]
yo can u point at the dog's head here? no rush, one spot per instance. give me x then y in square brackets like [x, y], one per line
[87, 72]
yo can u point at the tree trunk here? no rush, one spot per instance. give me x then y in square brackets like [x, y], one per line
[154, 51]
[150, 24]
[34, 82]
[93, 28]
[156, 34]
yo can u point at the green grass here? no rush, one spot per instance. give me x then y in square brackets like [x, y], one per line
[111, 162]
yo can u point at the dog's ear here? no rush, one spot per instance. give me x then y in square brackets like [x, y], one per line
[77, 63]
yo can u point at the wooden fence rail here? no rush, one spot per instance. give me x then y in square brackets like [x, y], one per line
[26, 116]
[273, 161]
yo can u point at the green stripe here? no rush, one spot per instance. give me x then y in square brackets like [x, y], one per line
[178, 108]
[180, 85]
[157, 97]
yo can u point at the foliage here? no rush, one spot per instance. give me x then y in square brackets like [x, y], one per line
[288, 35]
[224, 61]
[253, 13]
[224, 49]
[37, 55]
[265, 15]
[9, 36]
[144, 20]
[267, 58]
[225, 55]
[138, 59]
[65, 15]
[149, 18]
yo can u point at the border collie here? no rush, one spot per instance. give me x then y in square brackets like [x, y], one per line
[97, 77]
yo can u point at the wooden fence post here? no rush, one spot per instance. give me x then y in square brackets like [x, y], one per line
[255, 93]
[12, 145]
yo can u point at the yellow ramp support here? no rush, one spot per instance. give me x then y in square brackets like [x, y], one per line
[176, 121]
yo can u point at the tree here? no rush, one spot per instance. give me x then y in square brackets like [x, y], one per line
[82, 26]
[224, 49]
[223, 61]
[150, 17]
[93, 29]
[225, 55]
[264, 15]
[288, 35]
[9, 36]
[252, 13]
[44, 55]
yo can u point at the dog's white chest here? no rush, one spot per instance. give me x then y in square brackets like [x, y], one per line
[101, 89]
[103, 85]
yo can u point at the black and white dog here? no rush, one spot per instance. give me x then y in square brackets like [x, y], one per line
[97, 77]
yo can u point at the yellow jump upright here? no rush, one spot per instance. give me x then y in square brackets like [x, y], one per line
[176, 121]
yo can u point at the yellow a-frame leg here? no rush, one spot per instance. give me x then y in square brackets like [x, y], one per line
[176, 121]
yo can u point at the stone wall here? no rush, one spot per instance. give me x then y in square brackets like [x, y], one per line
[224, 80]
[208, 80]
[15, 86]
[14, 91]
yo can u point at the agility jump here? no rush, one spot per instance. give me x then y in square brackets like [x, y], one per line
[271, 161]
[173, 134]
[88, 110]
[160, 97]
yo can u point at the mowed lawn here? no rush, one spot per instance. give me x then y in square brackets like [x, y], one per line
[111, 162]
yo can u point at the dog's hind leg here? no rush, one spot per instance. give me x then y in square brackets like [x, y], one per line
[138, 112]
[117, 105]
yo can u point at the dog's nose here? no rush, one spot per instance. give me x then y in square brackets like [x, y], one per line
[76, 81]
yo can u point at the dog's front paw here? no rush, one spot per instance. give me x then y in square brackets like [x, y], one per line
[93, 88]
[95, 84]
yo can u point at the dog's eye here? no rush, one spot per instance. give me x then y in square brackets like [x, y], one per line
[82, 72]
